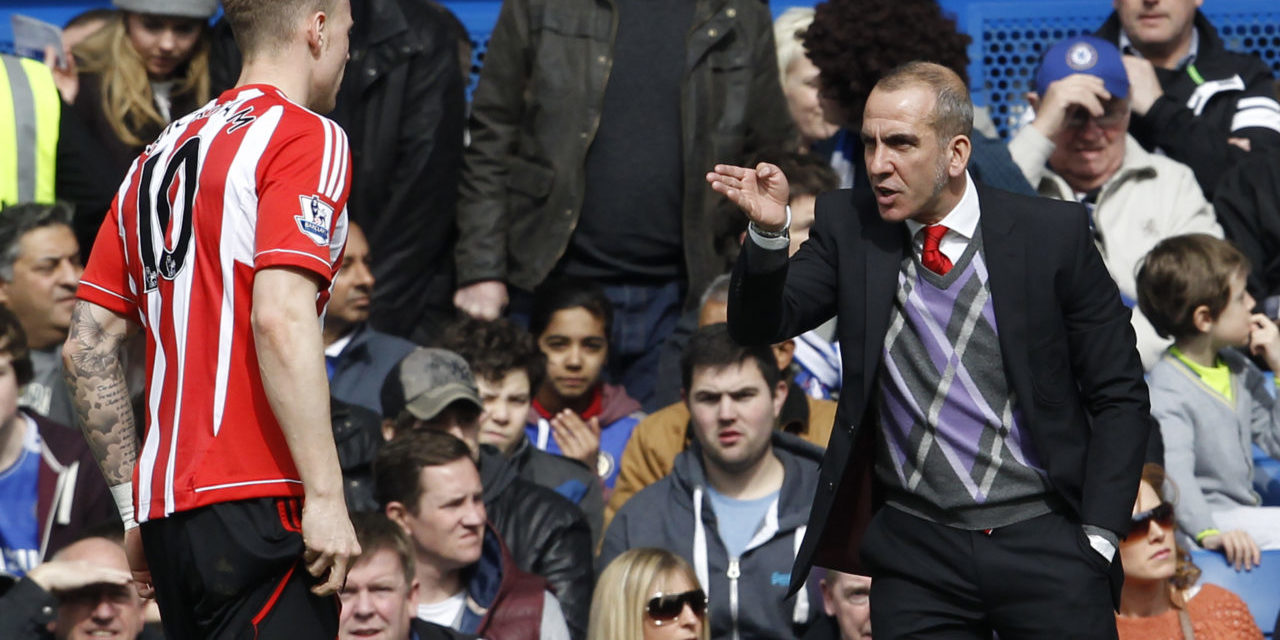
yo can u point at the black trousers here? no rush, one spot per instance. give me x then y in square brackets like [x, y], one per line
[1037, 579]
[235, 571]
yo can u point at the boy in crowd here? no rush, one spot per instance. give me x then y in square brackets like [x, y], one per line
[507, 366]
[50, 487]
[1211, 400]
[575, 413]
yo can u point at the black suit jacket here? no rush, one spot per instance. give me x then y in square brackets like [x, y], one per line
[1065, 336]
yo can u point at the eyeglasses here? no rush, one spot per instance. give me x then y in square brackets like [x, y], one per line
[1141, 521]
[667, 607]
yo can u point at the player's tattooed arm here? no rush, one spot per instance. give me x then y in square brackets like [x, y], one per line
[95, 374]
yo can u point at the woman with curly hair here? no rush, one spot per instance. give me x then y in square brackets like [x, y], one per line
[146, 67]
[648, 594]
[1160, 598]
[854, 43]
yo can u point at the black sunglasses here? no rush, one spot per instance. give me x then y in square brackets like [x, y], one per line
[666, 607]
[1141, 521]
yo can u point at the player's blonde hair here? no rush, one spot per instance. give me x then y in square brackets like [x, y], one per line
[127, 100]
[624, 589]
[263, 27]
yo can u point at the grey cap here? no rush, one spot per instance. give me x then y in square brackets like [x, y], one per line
[426, 381]
[203, 9]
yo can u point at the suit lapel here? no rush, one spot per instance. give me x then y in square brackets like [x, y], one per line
[886, 246]
[1005, 252]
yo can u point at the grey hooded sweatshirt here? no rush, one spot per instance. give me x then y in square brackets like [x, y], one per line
[747, 594]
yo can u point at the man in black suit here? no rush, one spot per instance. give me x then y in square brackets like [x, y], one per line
[993, 401]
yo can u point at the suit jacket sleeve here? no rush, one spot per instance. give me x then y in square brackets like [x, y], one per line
[772, 298]
[1109, 374]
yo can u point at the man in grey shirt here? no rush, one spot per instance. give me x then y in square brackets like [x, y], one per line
[39, 270]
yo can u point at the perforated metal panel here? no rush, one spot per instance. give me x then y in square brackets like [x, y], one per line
[1009, 38]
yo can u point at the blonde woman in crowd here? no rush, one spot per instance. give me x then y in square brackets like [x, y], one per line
[799, 77]
[147, 66]
[1161, 598]
[648, 594]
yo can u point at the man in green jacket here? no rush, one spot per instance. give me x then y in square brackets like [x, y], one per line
[591, 128]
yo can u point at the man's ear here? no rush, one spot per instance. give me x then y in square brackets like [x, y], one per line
[388, 429]
[961, 148]
[397, 513]
[1202, 318]
[4, 291]
[316, 35]
[784, 352]
[1033, 99]
[828, 598]
[780, 391]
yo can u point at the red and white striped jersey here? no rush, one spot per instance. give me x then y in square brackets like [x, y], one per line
[248, 182]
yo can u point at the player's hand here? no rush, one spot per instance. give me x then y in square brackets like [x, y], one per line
[1144, 86]
[484, 300]
[578, 439]
[762, 193]
[1241, 551]
[66, 77]
[330, 542]
[1066, 96]
[138, 563]
[59, 575]
[1264, 339]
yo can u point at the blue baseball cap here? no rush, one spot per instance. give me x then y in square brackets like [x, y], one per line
[1084, 54]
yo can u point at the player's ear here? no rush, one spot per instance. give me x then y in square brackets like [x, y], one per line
[388, 429]
[316, 32]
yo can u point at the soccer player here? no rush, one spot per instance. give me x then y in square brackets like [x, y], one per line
[221, 245]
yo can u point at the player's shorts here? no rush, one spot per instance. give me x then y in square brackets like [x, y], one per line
[235, 571]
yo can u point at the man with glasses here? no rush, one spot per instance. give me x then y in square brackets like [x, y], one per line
[1077, 148]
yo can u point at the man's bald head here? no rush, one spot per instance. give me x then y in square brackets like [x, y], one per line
[101, 608]
[953, 109]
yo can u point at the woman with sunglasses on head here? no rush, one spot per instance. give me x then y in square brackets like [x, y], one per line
[1161, 599]
[648, 594]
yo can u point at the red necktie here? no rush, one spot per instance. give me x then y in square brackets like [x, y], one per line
[931, 257]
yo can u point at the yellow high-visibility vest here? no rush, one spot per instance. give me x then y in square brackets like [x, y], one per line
[30, 110]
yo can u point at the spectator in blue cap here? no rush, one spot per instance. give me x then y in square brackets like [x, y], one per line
[1077, 149]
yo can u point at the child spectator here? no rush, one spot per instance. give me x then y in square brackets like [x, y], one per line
[508, 366]
[1210, 400]
[575, 414]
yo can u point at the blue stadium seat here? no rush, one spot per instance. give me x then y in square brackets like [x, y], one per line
[1260, 588]
[1266, 477]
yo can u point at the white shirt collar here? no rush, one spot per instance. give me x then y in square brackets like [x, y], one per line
[962, 219]
[334, 350]
[1126, 47]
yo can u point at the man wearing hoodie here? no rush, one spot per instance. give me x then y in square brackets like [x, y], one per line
[736, 502]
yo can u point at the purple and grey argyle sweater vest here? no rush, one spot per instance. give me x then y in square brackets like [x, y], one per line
[952, 447]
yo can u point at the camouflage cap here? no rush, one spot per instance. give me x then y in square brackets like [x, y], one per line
[426, 381]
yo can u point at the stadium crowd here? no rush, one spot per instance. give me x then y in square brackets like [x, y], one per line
[546, 428]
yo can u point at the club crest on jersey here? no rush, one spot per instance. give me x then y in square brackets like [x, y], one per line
[315, 219]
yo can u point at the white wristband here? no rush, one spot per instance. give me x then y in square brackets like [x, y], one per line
[123, 495]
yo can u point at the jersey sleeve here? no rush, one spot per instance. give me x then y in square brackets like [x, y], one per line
[106, 280]
[304, 179]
